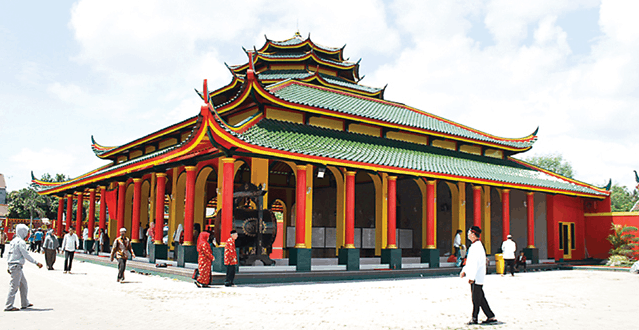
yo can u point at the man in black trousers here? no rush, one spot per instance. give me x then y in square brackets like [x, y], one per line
[475, 269]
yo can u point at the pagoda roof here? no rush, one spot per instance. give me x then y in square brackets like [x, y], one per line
[296, 42]
[271, 76]
[307, 97]
[318, 145]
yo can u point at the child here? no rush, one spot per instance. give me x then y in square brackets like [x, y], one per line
[521, 260]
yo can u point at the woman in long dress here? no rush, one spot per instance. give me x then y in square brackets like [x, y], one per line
[204, 260]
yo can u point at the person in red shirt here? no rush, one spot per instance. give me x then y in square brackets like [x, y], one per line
[230, 259]
[205, 257]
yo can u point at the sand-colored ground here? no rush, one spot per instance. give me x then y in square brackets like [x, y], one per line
[90, 298]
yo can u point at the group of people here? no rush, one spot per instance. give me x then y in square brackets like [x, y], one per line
[206, 258]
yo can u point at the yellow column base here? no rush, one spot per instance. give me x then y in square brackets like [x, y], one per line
[135, 241]
[431, 246]
[300, 246]
[531, 247]
[349, 246]
[391, 246]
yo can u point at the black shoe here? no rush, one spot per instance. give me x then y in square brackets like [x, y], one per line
[472, 321]
[198, 284]
[30, 305]
[489, 321]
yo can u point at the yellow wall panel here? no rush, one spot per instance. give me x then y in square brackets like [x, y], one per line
[494, 153]
[407, 137]
[149, 149]
[135, 154]
[325, 122]
[167, 143]
[295, 117]
[475, 150]
[239, 117]
[450, 145]
[365, 129]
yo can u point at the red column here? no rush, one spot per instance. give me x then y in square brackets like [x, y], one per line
[103, 207]
[430, 215]
[189, 205]
[135, 217]
[300, 211]
[91, 221]
[69, 212]
[530, 202]
[477, 206]
[350, 211]
[121, 198]
[58, 227]
[159, 207]
[392, 213]
[78, 215]
[505, 213]
[227, 200]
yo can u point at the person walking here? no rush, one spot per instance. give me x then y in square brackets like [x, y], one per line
[85, 239]
[70, 243]
[51, 245]
[3, 241]
[121, 246]
[150, 234]
[16, 255]
[204, 259]
[104, 241]
[475, 269]
[230, 259]
[38, 236]
[96, 240]
[508, 248]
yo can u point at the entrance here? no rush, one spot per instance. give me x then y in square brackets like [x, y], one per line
[567, 238]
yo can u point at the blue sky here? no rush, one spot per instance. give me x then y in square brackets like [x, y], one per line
[119, 70]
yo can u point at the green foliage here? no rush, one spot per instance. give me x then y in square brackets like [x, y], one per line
[621, 199]
[623, 240]
[27, 204]
[552, 162]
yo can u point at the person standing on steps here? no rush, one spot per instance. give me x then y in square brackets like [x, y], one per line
[475, 270]
[16, 255]
[70, 243]
[230, 259]
[508, 248]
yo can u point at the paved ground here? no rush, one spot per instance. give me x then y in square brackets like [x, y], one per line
[91, 298]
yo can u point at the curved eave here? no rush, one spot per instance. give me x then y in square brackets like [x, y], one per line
[308, 42]
[354, 67]
[98, 149]
[553, 174]
[302, 107]
[223, 135]
[157, 158]
[150, 137]
[49, 185]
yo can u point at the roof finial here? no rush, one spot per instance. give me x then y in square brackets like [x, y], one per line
[205, 92]
[297, 29]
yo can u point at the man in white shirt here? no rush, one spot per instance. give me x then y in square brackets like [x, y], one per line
[508, 248]
[85, 239]
[457, 242]
[16, 257]
[475, 269]
[70, 243]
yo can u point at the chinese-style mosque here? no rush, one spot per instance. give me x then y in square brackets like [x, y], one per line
[348, 173]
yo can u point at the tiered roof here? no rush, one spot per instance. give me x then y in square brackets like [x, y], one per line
[299, 77]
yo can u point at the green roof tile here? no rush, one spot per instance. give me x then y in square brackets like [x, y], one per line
[378, 110]
[323, 142]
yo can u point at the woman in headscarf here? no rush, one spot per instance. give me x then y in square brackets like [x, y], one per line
[51, 245]
[205, 257]
[150, 234]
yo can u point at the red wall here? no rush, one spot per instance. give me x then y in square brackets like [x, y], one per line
[565, 209]
[598, 229]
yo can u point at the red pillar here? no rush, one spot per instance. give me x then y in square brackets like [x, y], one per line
[91, 221]
[121, 198]
[69, 212]
[430, 215]
[103, 207]
[58, 227]
[159, 207]
[227, 200]
[505, 213]
[392, 212]
[300, 211]
[350, 211]
[530, 203]
[189, 205]
[477, 206]
[135, 218]
[78, 215]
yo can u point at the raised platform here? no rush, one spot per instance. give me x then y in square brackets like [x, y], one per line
[322, 269]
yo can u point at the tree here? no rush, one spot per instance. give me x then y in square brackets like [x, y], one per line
[552, 162]
[624, 244]
[621, 199]
[26, 203]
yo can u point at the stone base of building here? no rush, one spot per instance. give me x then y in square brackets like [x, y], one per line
[430, 257]
[186, 253]
[350, 258]
[138, 248]
[392, 257]
[301, 258]
[157, 251]
[532, 254]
